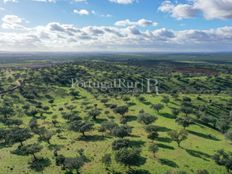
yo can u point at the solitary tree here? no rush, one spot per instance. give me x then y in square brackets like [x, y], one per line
[71, 164]
[128, 157]
[178, 136]
[120, 143]
[157, 107]
[152, 131]
[31, 149]
[81, 126]
[18, 135]
[154, 148]
[186, 110]
[121, 131]
[108, 126]
[94, 113]
[46, 136]
[146, 118]
[121, 110]
[184, 121]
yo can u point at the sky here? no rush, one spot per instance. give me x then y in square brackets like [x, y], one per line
[116, 25]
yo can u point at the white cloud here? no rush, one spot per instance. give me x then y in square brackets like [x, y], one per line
[123, 23]
[53, 1]
[211, 9]
[12, 22]
[215, 9]
[81, 1]
[105, 15]
[141, 23]
[144, 23]
[81, 12]
[14, 1]
[122, 1]
[66, 37]
[85, 12]
[179, 11]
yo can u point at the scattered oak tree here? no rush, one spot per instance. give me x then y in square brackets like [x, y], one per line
[184, 121]
[108, 126]
[178, 136]
[18, 135]
[224, 159]
[81, 126]
[128, 157]
[152, 131]
[94, 113]
[31, 149]
[120, 143]
[122, 110]
[186, 110]
[157, 107]
[154, 148]
[121, 131]
[146, 118]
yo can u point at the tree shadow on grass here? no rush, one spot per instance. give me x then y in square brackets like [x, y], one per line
[164, 139]
[131, 104]
[146, 103]
[134, 136]
[5, 145]
[167, 115]
[163, 129]
[164, 146]
[55, 146]
[210, 137]
[198, 154]
[141, 161]
[92, 138]
[130, 118]
[40, 164]
[168, 163]
[100, 120]
[137, 143]
[139, 171]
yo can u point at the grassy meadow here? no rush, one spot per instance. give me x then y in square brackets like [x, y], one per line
[44, 100]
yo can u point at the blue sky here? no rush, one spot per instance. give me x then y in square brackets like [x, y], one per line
[147, 24]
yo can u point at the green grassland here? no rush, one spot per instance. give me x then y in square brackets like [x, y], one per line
[194, 154]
